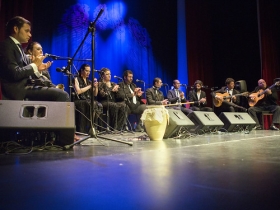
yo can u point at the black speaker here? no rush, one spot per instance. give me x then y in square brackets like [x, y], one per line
[177, 121]
[236, 121]
[241, 86]
[205, 121]
[37, 122]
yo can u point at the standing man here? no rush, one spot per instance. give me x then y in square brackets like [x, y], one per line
[16, 69]
[198, 97]
[154, 95]
[177, 96]
[267, 101]
[132, 96]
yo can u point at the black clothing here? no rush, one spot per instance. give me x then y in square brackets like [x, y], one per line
[196, 106]
[117, 110]
[154, 96]
[173, 98]
[226, 105]
[15, 71]
[124, 95]
[268, 103]
[83, 104]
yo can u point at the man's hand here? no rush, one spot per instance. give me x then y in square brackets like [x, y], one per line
[44, 66]
[164, 102]
[182, 95]
[202, 100]
[115, 88]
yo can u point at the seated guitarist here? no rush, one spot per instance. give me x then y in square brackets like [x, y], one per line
[231, 103]
[264, 98]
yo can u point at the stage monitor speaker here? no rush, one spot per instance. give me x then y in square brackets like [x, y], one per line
[236, 121]
[177, 121]
[205, 121]
[37, 122]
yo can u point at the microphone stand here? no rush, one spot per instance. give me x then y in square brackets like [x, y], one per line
[91, 29]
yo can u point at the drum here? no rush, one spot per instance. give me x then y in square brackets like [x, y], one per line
[155, 119]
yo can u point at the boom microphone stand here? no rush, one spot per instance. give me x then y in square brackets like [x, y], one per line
[91, 29]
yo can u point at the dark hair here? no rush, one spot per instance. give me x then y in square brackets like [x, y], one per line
[229, 80]
[15, 21]
[198, 82]
[30, 46]
[156, 80]
[126, 73]
[102, 71]
[83, 67]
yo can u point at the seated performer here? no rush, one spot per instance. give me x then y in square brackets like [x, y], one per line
[198, 96]
[107, 97]
[230, 104]
[177, 96]
[264, 98]
[84, 90]
[16, 69]
[154, 96]
[132, 95]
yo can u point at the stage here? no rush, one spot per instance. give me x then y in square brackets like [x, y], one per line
[211, 171]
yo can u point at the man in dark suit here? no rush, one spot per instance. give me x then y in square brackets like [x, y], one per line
[198, 97]
[132, 96]
[232, 104]
[177, 96]
[154, 95]
[16, 69]
[267, 103]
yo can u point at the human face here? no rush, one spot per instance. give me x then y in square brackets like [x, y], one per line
[37, 50]
[158, 84]
[107, 76]
[230, 85]
[128, 79]
[176, 84]
[262, 84]
[85, 73]
[23, 34]
[198, 86]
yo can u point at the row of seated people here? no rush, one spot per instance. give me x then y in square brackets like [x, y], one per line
[25, 76]
[226, 99]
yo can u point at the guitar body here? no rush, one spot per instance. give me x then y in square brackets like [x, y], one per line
[257, 96]
[218, 102]
[225, 96]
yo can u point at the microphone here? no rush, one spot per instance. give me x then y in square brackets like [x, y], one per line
[52, 56]
[119, 78]
[184, 85]
[96, 70]
[164, 84]
[63, 70]
[138, 80]
[205, 87]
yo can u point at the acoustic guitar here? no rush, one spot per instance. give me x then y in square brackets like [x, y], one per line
[225, 96]
[255, 97]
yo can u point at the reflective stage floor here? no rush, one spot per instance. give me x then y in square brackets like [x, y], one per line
[211, 171]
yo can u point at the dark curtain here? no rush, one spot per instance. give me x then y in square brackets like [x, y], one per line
[269, 21]
[199, 44]
[11, 8]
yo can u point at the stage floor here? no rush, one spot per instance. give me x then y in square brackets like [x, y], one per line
[210, 171]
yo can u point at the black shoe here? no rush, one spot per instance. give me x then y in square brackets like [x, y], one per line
[257, 127]
[273, 127]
